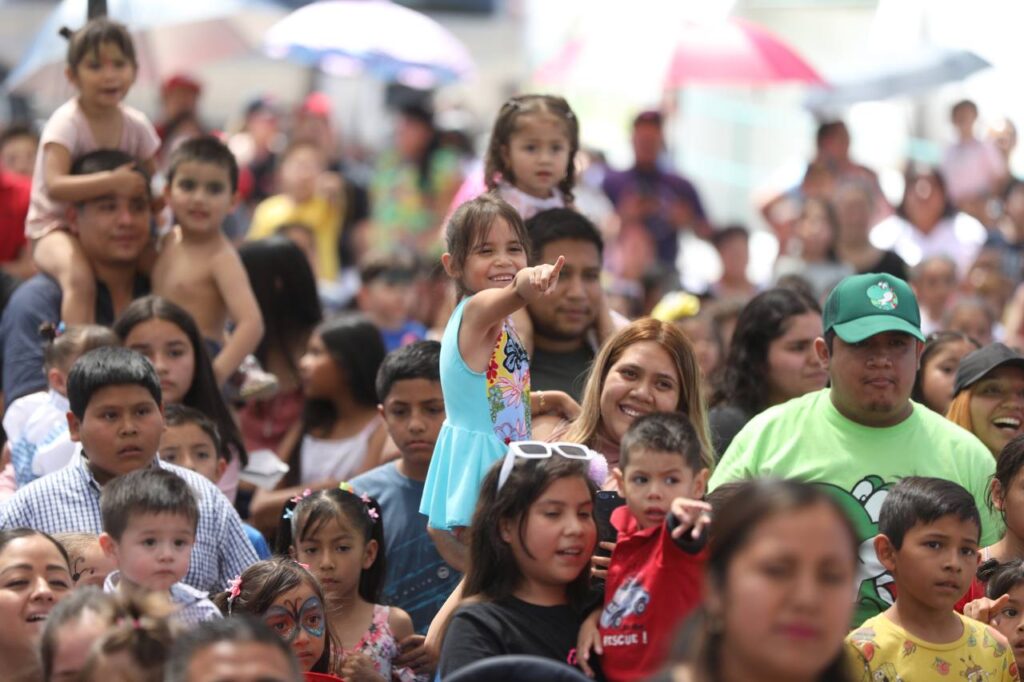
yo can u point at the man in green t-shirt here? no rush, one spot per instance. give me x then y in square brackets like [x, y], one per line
[860, 436]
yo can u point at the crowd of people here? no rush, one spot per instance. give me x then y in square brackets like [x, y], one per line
[285, 419]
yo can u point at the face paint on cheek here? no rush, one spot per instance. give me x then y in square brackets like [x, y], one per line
[311, 617]
[287, 619]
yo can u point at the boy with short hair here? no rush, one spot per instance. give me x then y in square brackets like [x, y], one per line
[150, 517]
[198, 268]
[114, 396]
[89, 564]
[929, 530]
[385, 297]
[655, 574]
[191, 441]
[418, 578]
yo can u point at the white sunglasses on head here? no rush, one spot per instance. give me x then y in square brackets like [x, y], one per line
[536, 449]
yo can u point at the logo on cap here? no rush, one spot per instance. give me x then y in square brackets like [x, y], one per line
[882, 296]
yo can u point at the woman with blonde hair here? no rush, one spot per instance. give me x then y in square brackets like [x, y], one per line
[988, 395]
[646, 366]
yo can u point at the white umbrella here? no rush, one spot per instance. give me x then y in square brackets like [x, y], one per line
[391, 42]
[170, 36]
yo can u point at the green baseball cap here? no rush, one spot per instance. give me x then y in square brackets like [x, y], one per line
[861, 306]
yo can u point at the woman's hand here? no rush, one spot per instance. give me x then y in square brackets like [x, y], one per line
[599, 564]
[589, 638]
[554, 402]
[416, 655]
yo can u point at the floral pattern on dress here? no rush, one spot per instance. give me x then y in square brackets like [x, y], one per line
[380, 646]
[508, 387]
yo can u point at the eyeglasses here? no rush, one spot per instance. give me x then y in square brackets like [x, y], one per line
[535, 449]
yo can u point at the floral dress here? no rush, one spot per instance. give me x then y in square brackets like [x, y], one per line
[485, 412]
[378, 643]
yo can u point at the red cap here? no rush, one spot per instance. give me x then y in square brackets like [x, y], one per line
[180, 80]
[317, 104]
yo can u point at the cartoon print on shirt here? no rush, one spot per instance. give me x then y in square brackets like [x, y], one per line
[631, 598]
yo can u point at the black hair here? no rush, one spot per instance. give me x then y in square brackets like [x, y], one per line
[744, 380]
[470, 225]
[664, 432]
[826, 129]
[418, 360]
[914, 173]
[107, 160]
[1000, 578]
[424, 116]
[150, 490]
[242, 629]
[180, 415]
[921, 499]
[64, 345]
[561, 223]
[1009, 463]
[263, 582]
[204, 149]
[309, 513]
[933, 345]
[963, 104]
[88, 39]
[204, 393]
[10, 535]
[398, 263]
[109, 366]
[727, 233]
[285, 289]
[356, 346]
[13, 132]
[493, 572]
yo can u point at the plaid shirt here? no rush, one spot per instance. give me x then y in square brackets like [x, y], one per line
[192, 605]
[68, 500]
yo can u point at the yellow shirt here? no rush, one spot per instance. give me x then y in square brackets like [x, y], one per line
[882, 650]
[319, 214]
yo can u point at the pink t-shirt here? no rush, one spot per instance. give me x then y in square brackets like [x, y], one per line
[69, 128]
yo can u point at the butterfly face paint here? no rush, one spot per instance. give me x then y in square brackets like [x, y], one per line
[288, 618]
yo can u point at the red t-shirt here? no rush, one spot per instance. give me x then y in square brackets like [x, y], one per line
[14, 197]
[652, 585]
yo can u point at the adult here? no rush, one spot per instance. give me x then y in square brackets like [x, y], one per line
[563, 321]
[239, 648]
[652, 199]
[36, 576]
[815, 260]
[113, 231]
[926, 223]
[864, 433]
[771, 360]
[854, 202]
[789, 624]
[988, 395]
[647, 366]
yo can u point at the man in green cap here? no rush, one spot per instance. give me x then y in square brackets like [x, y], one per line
[861, 435]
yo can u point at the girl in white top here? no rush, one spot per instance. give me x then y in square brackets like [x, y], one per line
[101, 64]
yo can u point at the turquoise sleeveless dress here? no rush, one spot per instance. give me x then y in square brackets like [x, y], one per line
[485, 412]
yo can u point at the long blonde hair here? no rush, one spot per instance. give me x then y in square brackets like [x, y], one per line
[691, 397]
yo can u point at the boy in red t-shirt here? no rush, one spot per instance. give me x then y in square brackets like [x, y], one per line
[655, 574]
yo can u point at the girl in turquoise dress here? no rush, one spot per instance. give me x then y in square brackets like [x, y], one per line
[485, 369]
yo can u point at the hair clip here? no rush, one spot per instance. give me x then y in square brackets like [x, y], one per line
[304, 566]
[59, 329]
[347, 487]
[134, 622]
[305, 493]
[289, 514]
[234, 589]
[370, 511]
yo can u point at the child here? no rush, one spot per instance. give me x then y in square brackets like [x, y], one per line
[934, 282]
[89, 563]
[135, 645]
[340, 536]
[1003, 604]
[191, 441]
[72, 628]
[150, 517]
[973, 317]
[114, 402]
[942, 354]
[485, 372]
[386, 297]
[101, 65]
[418, 578]
[532, 536]
[19, 146]
[284, 594]
[655, 575]
[198, 268]
[42, 443]
[342, 433]
[532, 152]
[928, 541]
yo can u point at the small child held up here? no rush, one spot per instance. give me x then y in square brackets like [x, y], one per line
[655, 575]
[42, 443]
[928, 540]
[89, 563]
[102, 66]
[340, 536]
[191, 441]
[150, 517]
[198, 268]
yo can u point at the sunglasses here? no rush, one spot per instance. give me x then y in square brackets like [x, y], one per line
[535, 449]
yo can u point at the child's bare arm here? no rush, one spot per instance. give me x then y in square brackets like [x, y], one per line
[233, 283]
[452, 550]
[589, 638]
[62, 186]
[59, 254]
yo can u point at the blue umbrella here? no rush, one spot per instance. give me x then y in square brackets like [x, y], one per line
[171, 36]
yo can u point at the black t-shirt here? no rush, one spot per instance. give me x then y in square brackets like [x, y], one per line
[726, 421]
[508, 626]
[891, 264]
[561, 371]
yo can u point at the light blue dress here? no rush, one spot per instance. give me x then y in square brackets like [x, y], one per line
[485, 412]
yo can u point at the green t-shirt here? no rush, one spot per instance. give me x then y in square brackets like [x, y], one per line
[808, 439]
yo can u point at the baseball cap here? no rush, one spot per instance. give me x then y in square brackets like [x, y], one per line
[977, 364]
[861, 306]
